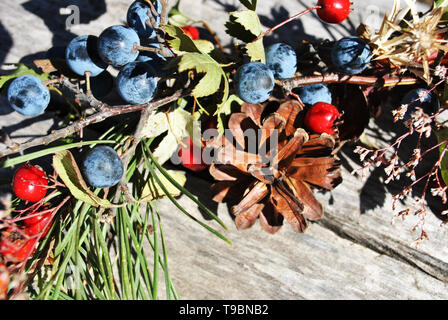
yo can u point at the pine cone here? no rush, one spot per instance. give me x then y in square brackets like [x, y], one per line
[273, 182]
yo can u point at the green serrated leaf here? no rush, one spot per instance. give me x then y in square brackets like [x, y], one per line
[179, 20]
[65, 165]
[249, 20]
[176, 17]
[21, 70]
[193, 127]
[249, 4]
[156, 125]
[180, 42]
[245, 26]
[166, 148]
[203, 63]
[226, 109]
[153, 191]
[204, 46]
[255, 50]
[220, 126]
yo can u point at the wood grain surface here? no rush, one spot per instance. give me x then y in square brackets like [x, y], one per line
[358, 251]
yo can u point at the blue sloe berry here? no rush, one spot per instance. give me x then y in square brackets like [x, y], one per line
[137, 16]
[82, 56]
[314, 93]
[28, 96]
[137, 82]
[254, 82]
[282, 60]
[102, 167]
[116, 45]
[351, 55]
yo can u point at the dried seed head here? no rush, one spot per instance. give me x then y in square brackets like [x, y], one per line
[411, 175]
[400, 112]
[410, 46]
[440, 192]
[440, 71]
[415, 159]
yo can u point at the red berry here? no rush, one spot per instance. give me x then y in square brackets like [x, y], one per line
[333, 11]
[36, 224]
[26, 250]
[15, 247]
[4, 281]
[320, 117]
[30, 183]
[211, 123]
[191, 31]
[191, 156]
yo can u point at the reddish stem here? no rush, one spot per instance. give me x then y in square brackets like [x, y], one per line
[288, 84]
[433, 147]
[206, 26]
[285, 22]
[37, 237]
[105, 113]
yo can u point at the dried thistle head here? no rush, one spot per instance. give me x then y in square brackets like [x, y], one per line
[408, 44]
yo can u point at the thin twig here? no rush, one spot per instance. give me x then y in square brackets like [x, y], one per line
[289, 84]
[105, 113]
[148, 49]
[285, 22]
[160, 34]
[218, 42]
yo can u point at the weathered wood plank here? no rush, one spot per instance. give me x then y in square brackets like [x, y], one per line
[353, 253]
[319, 264]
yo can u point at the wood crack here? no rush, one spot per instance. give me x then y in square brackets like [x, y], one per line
[380, 243]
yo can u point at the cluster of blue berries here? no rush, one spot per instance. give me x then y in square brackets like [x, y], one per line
[136, 82]
[119, 47]
[88, 55]
[254, 81]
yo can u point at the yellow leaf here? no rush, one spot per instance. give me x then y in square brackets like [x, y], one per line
[153, 191]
